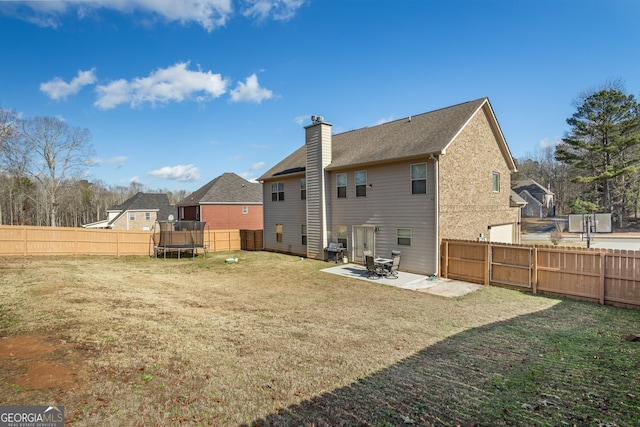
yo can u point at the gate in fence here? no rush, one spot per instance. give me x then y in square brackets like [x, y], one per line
[511, 265]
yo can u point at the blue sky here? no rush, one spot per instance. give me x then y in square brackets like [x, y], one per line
[176, 93]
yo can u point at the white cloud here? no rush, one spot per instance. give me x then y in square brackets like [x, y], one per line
[549, 142]
[58, 89]
[250, 91]
[210, 14]
[299, 120]
[118, 160]
[180, 173]
[279, 10]
[174, 83]
[257, 166]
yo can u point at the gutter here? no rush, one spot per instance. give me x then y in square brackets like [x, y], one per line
[436, 200]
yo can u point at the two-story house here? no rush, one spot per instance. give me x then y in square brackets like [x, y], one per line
[540, 200]
[403, 185]
[228, 202]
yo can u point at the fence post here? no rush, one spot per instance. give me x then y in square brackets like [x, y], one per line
[534, 271]
[445, 266]
[603, 265]
[487, 264]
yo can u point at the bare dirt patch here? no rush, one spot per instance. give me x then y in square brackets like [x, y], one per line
[33, 362]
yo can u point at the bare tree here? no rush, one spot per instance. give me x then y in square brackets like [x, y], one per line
[57, 154]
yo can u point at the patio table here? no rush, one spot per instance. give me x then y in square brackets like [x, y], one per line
[384, 264]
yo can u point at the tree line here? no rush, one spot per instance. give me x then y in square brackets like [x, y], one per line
[42, 164]
[596, 166]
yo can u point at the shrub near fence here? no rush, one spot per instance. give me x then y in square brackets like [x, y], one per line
[26, 240]
[609, 277]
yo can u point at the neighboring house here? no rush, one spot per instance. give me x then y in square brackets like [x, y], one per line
[229, 202]
[540, 201]
[402, 185]
[139, 212]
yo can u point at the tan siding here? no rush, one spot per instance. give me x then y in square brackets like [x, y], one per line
[140, 223]
[389, 205]
[468, 206]
[318, 143]
[291, 213]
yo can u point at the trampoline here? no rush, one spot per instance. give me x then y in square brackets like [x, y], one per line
[179, 237]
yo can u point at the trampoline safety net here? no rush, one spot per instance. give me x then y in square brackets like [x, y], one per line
[178, 236]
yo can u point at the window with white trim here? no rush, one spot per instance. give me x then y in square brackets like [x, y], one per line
[361, 183]
[419, 178]
[303, 188]
[341, 183]
[132, 216]
[245, 210]
[403, 236]
[495, 182]
[279, 233]
[303, 233]
[277, 191]
[147, 216]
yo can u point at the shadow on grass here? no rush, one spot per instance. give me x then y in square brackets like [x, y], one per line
[567, 365]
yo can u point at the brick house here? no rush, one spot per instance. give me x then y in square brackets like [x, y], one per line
[228, 202]
[139, 212]
[403, 185]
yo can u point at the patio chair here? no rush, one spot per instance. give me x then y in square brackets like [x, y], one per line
[374, 272]
[393, 270]
[394, 254]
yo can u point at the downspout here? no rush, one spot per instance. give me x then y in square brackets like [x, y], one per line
[436, 199]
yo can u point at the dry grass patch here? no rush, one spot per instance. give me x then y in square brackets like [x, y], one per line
[270, 340]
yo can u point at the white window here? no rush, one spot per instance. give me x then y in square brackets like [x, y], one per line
[361, 183]
[495, 182]
[132, 216]
[277, 191]
[245, 210]
[419, 178]
[403, 236]
[341, 182]
[147, 216]
[303, 188]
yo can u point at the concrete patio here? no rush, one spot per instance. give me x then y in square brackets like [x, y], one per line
[415, 282]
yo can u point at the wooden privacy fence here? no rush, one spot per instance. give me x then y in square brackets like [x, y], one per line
[605, 276]
[251, 240]
[26, 240]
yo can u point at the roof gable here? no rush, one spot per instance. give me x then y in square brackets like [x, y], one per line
[228, 188]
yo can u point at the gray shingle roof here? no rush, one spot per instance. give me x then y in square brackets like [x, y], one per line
[146, 202]
[423, 134]
[532, 187]
[227, 188]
